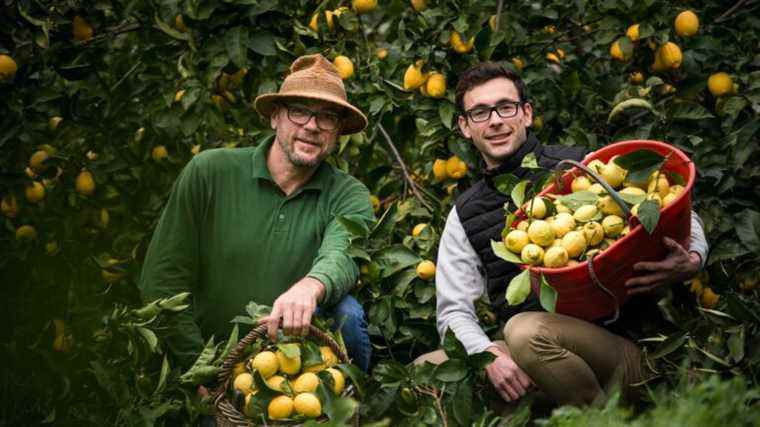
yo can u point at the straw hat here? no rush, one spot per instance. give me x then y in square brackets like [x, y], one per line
[314, 77]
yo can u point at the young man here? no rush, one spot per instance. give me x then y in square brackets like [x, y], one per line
[570, 360]
[259, 223]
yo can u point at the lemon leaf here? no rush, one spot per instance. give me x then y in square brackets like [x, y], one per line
[629, 103]
[548, 296]
[649, 215]
[519, 288]
[518, 193]
[502, 252]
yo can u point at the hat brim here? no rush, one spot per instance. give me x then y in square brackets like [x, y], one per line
[354, 121]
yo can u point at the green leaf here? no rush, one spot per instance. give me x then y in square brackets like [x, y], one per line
[627, 104]
[355, 226]
[689, 111]
[518, 193]
[747, 227]
[290, 350]
[452, 346]
[462, 403]
[262, 42]
[446, 112]
[479, 361]
[548, 295]
[530, 161]
[168, 30]
[671, 344]
[640, 164]
[632, 199]
[519, 288]
[232, 341]
[649, 215]
[236, 42]
[505, 183]
[162, 377]
[310, 355]
[396, 258]
[451, 371]
[357, 376]
[502, 252]
[578, 199]
[149, 337]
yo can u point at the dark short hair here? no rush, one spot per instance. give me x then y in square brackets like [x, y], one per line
[483, 72]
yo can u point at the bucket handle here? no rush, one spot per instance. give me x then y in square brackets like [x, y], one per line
[611, 191]
[599, 284]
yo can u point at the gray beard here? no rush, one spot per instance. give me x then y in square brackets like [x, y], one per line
[296, 160]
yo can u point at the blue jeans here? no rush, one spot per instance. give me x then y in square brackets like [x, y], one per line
[349, 314]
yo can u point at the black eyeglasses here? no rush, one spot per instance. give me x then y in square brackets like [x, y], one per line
[326, 120]
[504, 109]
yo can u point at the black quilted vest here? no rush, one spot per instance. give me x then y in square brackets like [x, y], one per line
[481, 211]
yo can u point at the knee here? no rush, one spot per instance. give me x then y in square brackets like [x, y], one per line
[521, 329]
[349, 312]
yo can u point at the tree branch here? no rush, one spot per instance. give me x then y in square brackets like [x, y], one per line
[404, 171]
[730, 11]
[436, 395]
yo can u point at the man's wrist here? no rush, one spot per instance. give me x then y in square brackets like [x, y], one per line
[316, 286]
[696, 258]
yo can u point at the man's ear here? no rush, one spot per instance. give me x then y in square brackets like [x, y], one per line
[462, 123]
[527, 114]
[273, 117]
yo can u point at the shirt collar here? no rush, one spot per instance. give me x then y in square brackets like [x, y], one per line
[318, 181]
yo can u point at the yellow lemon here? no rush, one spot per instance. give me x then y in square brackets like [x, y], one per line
[265, 363]
[439, 170]
[535, 208]
[375, 202]
[338, 379]
[585, 213]
[670, 55]
[280, 407]
[633, 32]
[288, 365]
[243, 383]
[38, 161]
[413, 77]
[597, 188]
[613, 225]
[596, 165]
[455, 167]
[54, 122]
[552, 57]
[532, 254]
[329, 357]
[617, 52]
[436, 85]
[708, 298]
[418, 229]
[308, 405]
[419, 5]
[159, 153]
[636, 77]
[541, 233]
[275, 382]
[676, 189]
[9, 206]
[26, 232]
[459, 45]
[345, 66]
[426, 270]
[35, 192]
[562, 224]
[314, 24]
[720, 84]
[633, 191]
[523, 226]
[238, 369]
[575, 243]
[687, 24]
[609, 206]
[364, 6]
[659, 186]
[561, 53]
[81, 29]
[593, 232]
[613, 174]
[518, 63]
[381, 53]
[560, 208]
[555, 257]
[306, 382]
[85, 183]
[580, 183]
[178, 95]
[195, 149]
[669, 198]
[8, 67]
[516, 240]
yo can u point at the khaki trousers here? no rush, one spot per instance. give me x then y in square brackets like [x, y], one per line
[570, 360]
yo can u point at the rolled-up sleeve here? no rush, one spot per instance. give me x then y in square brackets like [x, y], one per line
[459, 284]
[698, 241]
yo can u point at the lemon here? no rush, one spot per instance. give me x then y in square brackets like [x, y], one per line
[9, 206]
[238, 369]
[518, 63]
[555, 257]
[593, 232]
[617, 52]
[575, 243]
[609, 206]
[516, 240]
[720, 84]
[580, 183]
[613, 225]
[413, 77]
[660, 186]
[375, 202]
[596, 165]
[417, 230]
[436, 85]
[280, 407]
[636, 77]
[306, 382]
[708, 298]
[85, 184]
[328, 356]
[455, 167]
[179, 22]
[541, 233]
[81, 29]
[562, 224]
[613, 174]
[26, 232]
[669, 198]
[492, 22]
[552, 57]
[687, 24]
[35, 192]
[265, 363]
[523, 225]
[159, 153]
[532, 254]
[585, 213]
[381, 53]
[633, 32]
[288, 365]
[459, 45]
[597, 188]
[314, 24]
[419, 5]
[426, 270]
[561, 53]
[275, 382]
[243, 383]
[338, 379]
[535, 208]
[364, 6]
[308, 405]
[195, 149]
[38, 161]
[439, 170]
[345, 66]
[633, 191]
[560, 208]
[8, 67]
[54, 122]
[670, 55]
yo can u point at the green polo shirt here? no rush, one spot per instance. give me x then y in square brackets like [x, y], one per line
[229, 235]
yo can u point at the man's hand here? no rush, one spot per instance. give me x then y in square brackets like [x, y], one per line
[678, 265]
[295, 307]
[510, 381]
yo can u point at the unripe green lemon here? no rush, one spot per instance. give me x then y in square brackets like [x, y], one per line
[541, 233]
[580, 183]
[585, 213]
[575, 243]
[613, 225]
[593, 232]
[609, 206]
[563, 223]
[516, 240]
[555, 257]
[532, 254]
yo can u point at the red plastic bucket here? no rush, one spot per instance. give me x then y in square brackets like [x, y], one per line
[577, 294]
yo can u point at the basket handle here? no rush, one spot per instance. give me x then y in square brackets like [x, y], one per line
[607, 187]
[598, 283]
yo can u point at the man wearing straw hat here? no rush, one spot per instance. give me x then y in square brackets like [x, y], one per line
[261, 223]
[570, 360]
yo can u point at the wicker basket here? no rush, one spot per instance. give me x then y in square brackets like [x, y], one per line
[226, 413]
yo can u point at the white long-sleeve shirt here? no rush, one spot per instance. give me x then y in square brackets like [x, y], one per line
[459, 281]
